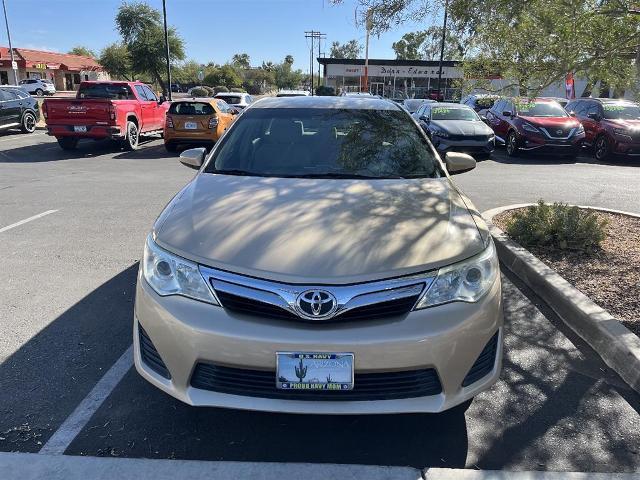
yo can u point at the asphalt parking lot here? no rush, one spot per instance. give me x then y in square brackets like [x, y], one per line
[66, 307]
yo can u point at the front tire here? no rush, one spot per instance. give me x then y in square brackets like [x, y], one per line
[68, 143]
[602, 149]
[133, 137]
[28, 124]
[512, 144]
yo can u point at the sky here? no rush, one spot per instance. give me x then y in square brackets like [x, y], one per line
[213, 30]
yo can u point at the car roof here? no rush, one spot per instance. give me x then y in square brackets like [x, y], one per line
[230, 94]
[449, 105]
[343, 102]
[193, 99]
[609, 100]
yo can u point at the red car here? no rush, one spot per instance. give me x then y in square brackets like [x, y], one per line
[536, 124]
[611, 126]
[119, 110]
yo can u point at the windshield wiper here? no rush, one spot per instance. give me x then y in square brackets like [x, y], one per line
[238, 172]
[346, 176]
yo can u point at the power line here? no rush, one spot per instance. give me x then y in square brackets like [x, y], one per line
[314, 35]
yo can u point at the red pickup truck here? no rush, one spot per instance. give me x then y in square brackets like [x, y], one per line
[119, 110]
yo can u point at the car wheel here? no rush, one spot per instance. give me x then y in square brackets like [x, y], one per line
[39, 92]
[133, 136]
[171, 147]
[512, 144]
[68, 143]
[601, 149]
[28, 122]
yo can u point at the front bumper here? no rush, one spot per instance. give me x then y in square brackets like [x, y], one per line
[447, 338]
[542, 144]
[444, 145]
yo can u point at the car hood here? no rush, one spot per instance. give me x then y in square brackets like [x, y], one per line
[319, 230]
[462, 127]
[552, 122]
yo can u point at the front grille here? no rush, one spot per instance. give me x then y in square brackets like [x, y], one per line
[485, 362]
[474, 138]
[150, 355]
[391, 308]
[367, 386]
[558, 132]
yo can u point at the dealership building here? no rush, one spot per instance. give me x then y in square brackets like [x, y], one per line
[64, 70]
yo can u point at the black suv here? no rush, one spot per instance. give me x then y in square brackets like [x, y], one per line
[18, 109]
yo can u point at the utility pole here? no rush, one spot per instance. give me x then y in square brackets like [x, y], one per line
[365, 87]
[166, 44]
[444, 33]
[312, 34]
[13, 61]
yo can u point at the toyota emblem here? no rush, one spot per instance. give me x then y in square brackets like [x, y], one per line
[316, 304]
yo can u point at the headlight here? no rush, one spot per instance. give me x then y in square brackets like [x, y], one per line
[466, 281]
[440, 133]
[530, 128]
[169, 274]
[579, 130]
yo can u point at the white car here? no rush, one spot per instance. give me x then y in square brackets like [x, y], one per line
[292, 93]
[37, 86]
[238, 100]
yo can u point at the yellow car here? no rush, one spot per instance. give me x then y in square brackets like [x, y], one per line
[196, 121]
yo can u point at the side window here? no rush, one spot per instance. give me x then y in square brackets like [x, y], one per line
[149, 94]
[222, 105]
[10, 95]
[579, 108]
[508, 106]
[141, 92]
[249, 99]
[2, 95]
[593, 108]
[497, 107]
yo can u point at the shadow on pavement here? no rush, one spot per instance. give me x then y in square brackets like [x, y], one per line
[50, 374]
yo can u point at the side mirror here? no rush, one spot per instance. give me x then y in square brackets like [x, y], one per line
[572, 114]
[194, 157]
[162, 100]
[459, 162]
[594, 116]
[506, 113]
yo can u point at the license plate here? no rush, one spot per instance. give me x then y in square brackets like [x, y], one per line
[190, 125]
[80, 129]
[314, 371]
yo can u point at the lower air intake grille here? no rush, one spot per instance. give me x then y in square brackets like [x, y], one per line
[485, 362]
[150, 355]
[367, 386]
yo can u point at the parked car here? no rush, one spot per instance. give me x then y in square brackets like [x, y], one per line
[39, 87]
[196, 121]
[321, 261]
[238, 100]
[562, 101]
[122, 111]
[455, 127]
[412, 104]
[612, 127]
[292, 93]
[480, 102]
[535, 124]
[18, 109]
[176, 88]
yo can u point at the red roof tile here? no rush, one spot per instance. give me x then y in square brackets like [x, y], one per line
[67, 61]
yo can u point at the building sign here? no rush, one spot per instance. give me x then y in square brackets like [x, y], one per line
[337, 70]
[14, 65]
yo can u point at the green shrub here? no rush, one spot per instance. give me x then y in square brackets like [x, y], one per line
[557, 226]
[324, 91]
[199, 92]
[210, 91]
[238, 90]
[220, 88]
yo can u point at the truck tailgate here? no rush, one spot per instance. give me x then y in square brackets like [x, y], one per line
[66, 111]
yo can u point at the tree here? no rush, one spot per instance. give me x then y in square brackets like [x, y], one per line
[351, 49]
[241, 60]
[116, 60]
[223, 75]
[286, 77]
[142, 32]
[425, 45]
[82, 51]
[532, 44]
[288, 59]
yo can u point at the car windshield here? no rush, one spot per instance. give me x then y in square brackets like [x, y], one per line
[191, 108]
[106, 90]
[485, 102]
[621, 111]
[325, 143]
[230, 100]
[453, 113]
[540, 109]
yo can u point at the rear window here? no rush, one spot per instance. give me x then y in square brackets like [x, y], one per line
[325, 143]
[231, 100]
[106, 90]
[191, 108]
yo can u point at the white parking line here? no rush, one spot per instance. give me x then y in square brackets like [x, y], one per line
[26, 220]
[75, 422]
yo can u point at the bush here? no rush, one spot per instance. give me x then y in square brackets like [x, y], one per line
[210, 91]
[324, 91]
[199, 92]
[557, 226]
[238, 90]
[220, 88]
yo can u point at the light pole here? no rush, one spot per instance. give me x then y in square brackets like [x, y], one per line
[166, 44]
[444, 33]
[13, 62]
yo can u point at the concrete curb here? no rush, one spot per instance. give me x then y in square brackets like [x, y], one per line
[617, 345]
[30, 466]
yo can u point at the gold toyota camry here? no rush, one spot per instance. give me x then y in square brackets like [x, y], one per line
[321, 261]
